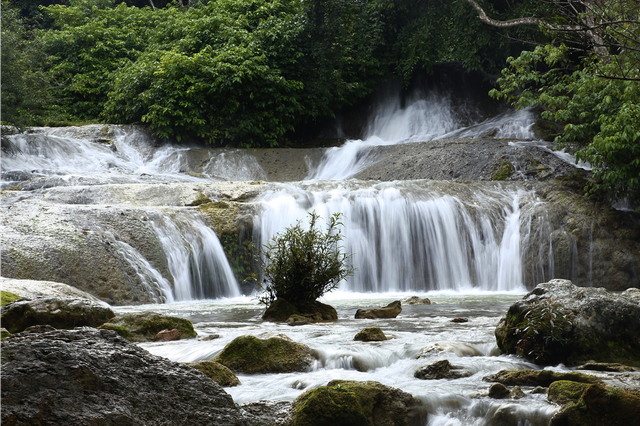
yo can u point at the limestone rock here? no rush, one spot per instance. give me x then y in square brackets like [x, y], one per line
[516, 393]
[601, 326]
[415, 300]
[216, 372]
[283, 311]
[370, 334]
[441, 370]
[31, 289]
[268, 413]
[352, 403]
[59, 313]
[167, 335]
[144, 327]
[498, 391]
[458, 348]
[94, 377]
[392, 310]
[537, 377]
[250, 355]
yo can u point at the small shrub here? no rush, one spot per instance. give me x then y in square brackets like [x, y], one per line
[300, 265]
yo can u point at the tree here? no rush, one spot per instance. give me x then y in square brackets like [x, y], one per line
[300, 265]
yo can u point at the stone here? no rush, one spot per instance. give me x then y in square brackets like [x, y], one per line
[537, 377]
[87, 376]
[498, 391]
[516, 393]
[441, 370]
[4, 333]
[370, 334]
[144, 327]
[167, 335]
[216, 372]
[593, 404]
[459, 348]
[598, 327]
[64, 313]
[31, 289]
[606, 366]
[392, 310]
[251, 355]
[415, 300]
[268, 413]
[538, 390]
[281, 310]
[353, 403]
[459, 319]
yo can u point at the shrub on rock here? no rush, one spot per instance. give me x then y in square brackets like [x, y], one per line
[281, 310]
[144, 327]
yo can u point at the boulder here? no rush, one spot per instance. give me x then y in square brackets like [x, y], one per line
[216, 372]
[281, 310]
[95, 377]
[144, 327]
[31, 289]
[498, 391]
[516, 393]
[606, 366]
[593, 404]
[415, 300]
[537, 377]
[460, 319]
[353, 403]
[59, 313]
[4, 333]
[168, 335]
[370, 334]
[268, 413]
[572, 325]
[441, 370]
[250, 355]
[392, 310]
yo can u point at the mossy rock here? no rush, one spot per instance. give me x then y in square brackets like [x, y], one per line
[8, 297]
[281, 310]
[250, 355]
[504, 171]
[353, 403]
[4, 333]
[370, 334]
[537, 377]
[593, 404]
[216, 372]
[145, 326]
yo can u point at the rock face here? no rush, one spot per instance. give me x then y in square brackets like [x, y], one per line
[146, 326]
[537, 377]
[352, 403]
[591, 405]
[94, 377]
[392, 310]
[370, 334]
[59, 313]
[283, 311]
[31, 289]
[216, 372]
[598, 326]
[441, 370]
[250, 355]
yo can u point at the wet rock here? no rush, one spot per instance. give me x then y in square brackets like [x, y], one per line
[8, 297]
[538, 390]
[370, 334]
[352, 403]
[283, 311]
[4, 333]
[498, 391]
[537, 377]
[458, 348]
[516, 393]
[251, 355]
[460, 320]
[505, 415]
[415, 300]
[208, 337]
[593, 404]
[167, 335]
[31, 289]
[94, 377]
[59, 313]
[606, 366]
[39, 329]
[441, 370]
[216, 372]
[144, 327]
[268, 413]
[392, 310]
[598, 326]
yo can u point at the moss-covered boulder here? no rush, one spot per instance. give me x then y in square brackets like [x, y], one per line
[352, 403]
[593, 404]
[56, 312]
[442, 369]
[370, 334]
[144, 327]
[4, 333]
[538, 377]
[392, 310]
[7, 297]
[251, 355]
[560, 322]
[281, 310]
[216, 372]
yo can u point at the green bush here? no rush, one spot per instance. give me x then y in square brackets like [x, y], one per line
[300, 265]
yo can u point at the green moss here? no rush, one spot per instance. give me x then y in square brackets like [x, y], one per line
[7, 297]
[565, 391]
[4, 333]
[216, 372]
[504, 170]
[120, 329]
[144, 327]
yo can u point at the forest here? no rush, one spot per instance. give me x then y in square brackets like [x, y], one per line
[252, 73]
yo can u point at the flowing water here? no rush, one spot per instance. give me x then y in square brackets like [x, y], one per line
[463, 246]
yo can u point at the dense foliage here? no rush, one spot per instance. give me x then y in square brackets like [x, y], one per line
[302, 264]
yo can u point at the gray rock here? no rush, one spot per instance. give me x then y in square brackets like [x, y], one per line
[216, 372]
[392, 310]
[415, 300]
[441, 370]
[94, 377]
[370, 334]
[516, 393]
[498, 391]
[268, 413]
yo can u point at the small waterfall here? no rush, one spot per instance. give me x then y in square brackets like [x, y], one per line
[408, 238]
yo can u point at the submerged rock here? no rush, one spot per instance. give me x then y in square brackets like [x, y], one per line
[281, 310]
[573, 325]
[353, 403]
[537, 377]
[250, 355]
[516, 393]
[216, 372]
[59, 313]
[145, 327]
[442, 369]
[415, 300]
[392, 310]
[370, 334]
[94, 377]
[593, 405]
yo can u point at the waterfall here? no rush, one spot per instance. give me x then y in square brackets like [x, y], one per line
[413, 236]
